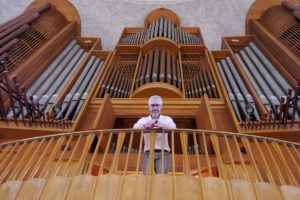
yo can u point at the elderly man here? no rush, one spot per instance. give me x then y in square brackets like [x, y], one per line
[156, 121]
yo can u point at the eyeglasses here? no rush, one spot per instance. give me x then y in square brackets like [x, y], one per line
[154, 105]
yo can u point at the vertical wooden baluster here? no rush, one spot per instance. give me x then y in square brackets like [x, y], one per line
[114, 165]
[235, 176]
[21, 162]
[206, 155]
[198, 163]
[89, 171]
[66, 169]
[163, 151]
[258, 175]
[105, 153]
[292, 157]
[86, 148]
[280, 176]
[197, 154]
[31, 160]
[128, 153]
[247, 177]
[59, 162]
[270, 175]
[289, 171]
[140, 152]
[296, 151]
[184, 146]
[173, 165]
[150, 164]
[45, 171]
[41, 158]
[125, 167]
[3, 163]
[5, 151]
[215, 142]
[222, 171]
[15, 158]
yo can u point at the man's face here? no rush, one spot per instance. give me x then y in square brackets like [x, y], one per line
[155, 108]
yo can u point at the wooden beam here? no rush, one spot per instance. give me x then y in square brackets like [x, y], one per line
[106, 116]
[204, 116]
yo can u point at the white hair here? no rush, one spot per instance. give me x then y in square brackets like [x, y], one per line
[155, 97]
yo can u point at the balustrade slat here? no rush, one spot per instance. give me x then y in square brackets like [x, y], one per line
[40, 160]
[30, 161]
[206, 155]
[91, 165]
[258, 176]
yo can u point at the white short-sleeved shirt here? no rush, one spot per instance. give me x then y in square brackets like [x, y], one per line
[164, 119]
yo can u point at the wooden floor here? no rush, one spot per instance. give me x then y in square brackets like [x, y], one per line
[144, 187]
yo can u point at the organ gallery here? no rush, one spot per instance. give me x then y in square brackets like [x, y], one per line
[68, 107]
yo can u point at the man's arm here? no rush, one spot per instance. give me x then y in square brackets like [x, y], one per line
[167, 124]
[143, 124]
[139, 124]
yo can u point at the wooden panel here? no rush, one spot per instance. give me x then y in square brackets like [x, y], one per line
[9, 190]
[242, 190]
[88, 118]
[223, 119]
[55, 188]
[106, 116]
[188, 187]
[204, 116]
[266, 191]
[31, 189]
[290, 192]
[81, 187]
[107, 187]
[215, 188]
[161, 187]
[133, 187]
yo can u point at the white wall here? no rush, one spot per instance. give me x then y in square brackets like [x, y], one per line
[107, 18]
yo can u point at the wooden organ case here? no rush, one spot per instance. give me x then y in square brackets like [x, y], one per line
[55, 81]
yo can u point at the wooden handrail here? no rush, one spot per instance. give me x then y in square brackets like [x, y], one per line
[196, 153]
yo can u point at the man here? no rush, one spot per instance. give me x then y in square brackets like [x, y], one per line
[156, 121]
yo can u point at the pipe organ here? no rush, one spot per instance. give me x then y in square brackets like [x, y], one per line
[198, 76]
[55, 81]
[119, 77]
[21, 36]
[278, 26]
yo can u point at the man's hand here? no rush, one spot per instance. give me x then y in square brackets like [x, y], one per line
[163, 125]
[150, 124]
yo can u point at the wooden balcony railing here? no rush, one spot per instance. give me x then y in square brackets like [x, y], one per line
[232, 158]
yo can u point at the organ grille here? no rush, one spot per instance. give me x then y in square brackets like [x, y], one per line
[159, 65]
[280, 22]
[163, 28]
[119, 76]
[38, 34]
[198, 77]
[133, 39]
